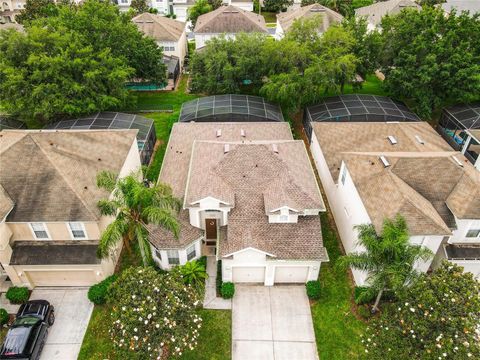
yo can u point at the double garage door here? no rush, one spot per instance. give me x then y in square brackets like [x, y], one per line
[61, 278]
[283, 274]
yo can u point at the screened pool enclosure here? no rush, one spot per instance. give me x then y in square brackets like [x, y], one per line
[146, 136]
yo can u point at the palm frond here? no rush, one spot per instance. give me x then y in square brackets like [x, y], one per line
[162, 217]
[108, 207]
[110, 237]
[106, 180]
[144, 245]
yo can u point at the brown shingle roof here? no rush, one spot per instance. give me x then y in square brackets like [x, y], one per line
[159, 27]
[421, 183]
[375, 12]
[328, 16]
[230, 19]
[51, 175]
[6, 203]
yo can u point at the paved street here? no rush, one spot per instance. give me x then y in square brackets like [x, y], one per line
[72, 314]
[272, 323]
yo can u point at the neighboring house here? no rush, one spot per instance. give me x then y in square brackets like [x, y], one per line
[180, 8]
[286, 19]
[9, 9]
[169, 34]
[229, 21]
[246, 5]
[375, 12]
[146, 136]
[50, 224]
[376, 170]
[472, 6]
[460, 127]
[249, 197]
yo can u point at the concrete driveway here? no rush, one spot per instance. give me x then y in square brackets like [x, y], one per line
[72, 314]
[272, 323]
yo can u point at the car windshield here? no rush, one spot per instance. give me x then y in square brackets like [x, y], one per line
[27, 320]
[16, 340]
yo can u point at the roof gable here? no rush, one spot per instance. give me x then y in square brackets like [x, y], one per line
[159, 27]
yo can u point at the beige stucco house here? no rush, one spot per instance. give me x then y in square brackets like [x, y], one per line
[169, 34]
[49, 220]
[250, 198]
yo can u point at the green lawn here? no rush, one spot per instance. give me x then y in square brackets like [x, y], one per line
[163, 120]
[214, 342]
[337, 330]
[270, 17]
[372, 85]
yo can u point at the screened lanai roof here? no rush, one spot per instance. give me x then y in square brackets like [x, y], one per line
[108, 120]
[245, 107]
[358, 107]
[467, 115]
[8, 123]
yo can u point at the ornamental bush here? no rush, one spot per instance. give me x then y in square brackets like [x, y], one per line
[153, 315]
[363, 295]
[4, 317]
[97, 293]
[436, 317]
[313, 289]
[228, 290]
[218, 280]
[17, 294]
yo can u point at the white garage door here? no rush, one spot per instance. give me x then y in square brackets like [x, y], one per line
[249, 274]
[61, 278]
[291, 274]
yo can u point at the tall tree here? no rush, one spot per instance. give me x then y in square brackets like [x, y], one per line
[431, 58]
[276, 5]
[435, 318]
[35, 9]
[389, 259]
[134, 206]
[199, 8]
[139, 6]
[45, 74]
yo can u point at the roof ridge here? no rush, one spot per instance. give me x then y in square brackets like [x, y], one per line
[63, 177]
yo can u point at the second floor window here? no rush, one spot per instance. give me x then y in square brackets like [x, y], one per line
[473, 233]
[173, 258]
[40, 230]
[77, 230]
[191, 253]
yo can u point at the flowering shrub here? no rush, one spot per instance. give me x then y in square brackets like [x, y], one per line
[436, 318]
[153, 314]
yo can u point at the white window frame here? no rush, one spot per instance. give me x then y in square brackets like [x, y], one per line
[44, 227]
[189, 250]
[82, 225]
[177, 257]
[343, 175]
[473, 237]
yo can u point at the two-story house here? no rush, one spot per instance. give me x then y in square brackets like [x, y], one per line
[227, 21]
[371, 171]
[50, 224]
[168, 33]
[249, 197]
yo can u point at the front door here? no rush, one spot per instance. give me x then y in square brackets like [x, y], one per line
[211, 231]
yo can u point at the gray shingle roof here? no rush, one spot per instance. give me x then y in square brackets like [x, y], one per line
[375, 12]
[51, 175]
[230, 19]
[329, 17]
[159, 27]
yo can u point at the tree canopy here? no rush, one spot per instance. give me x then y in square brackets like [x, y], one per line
[35, 9]
[431, 58]
[74, 61]
[276, 5]
[199, 8]
[435, 318]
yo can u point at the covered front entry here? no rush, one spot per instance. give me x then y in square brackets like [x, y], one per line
[61, 278]
[248, 274]
[211, 231]
[291, 274]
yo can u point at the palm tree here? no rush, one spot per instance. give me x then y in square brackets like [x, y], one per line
[134, 205]
[193, 273]
[388, 259]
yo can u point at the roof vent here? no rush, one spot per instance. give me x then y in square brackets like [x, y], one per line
[226, 148]
[275, 148]
[243, 133]
[419, 139]
[459, 163]
[219, 132]
[392, 139]
[384, 161]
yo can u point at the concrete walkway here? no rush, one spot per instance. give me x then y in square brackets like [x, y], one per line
[72, 314]
[211, 301]
[272, 323]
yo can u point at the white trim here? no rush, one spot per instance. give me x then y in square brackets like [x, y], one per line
[246, 249]
[209, 198]
[71, 232]
[45, 227]
[284, 207]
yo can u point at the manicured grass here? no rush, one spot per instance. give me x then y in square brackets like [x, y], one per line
[270, 17]
[163, 120]
[372, 85]
[215, 341]
[337, 330]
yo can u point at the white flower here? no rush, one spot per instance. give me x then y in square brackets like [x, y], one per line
[135, 329]
[133, 296]
[412, 309]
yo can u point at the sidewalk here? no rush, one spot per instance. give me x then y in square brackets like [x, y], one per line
[211, 300]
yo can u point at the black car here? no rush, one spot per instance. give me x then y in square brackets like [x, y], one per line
[27, 335]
